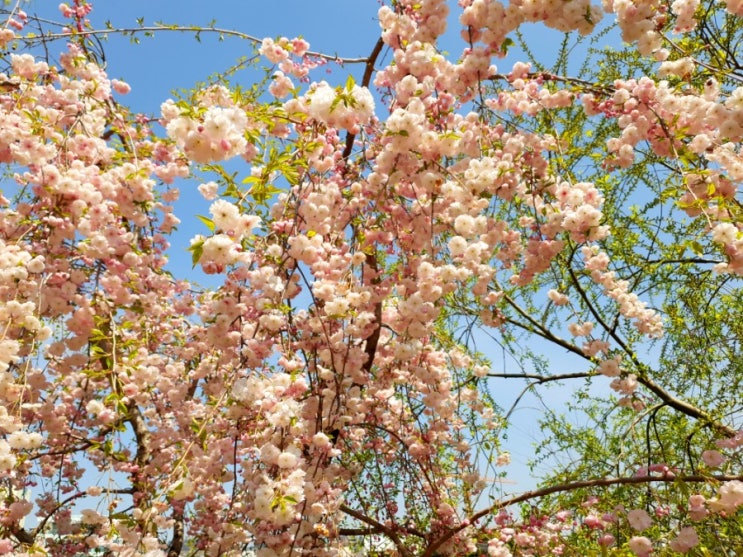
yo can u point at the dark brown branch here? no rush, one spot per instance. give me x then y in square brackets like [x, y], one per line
[538, 379]
[176, 544]
[142, 458]
[357, 531]
[373, 339]
[22, 535]
[381, 528]
[365, 80]
[369, 68]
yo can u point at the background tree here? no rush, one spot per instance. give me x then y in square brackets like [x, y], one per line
[333, 384]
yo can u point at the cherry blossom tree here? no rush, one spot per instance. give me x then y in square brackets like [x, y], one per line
[382, 239]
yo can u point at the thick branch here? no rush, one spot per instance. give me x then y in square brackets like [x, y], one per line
[176, 544]
[683, 406]
[365, 80]
[381, 528]
[373, 339]
[358, 531]
[142, 457]
[22, 535]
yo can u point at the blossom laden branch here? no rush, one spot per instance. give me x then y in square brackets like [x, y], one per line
[432, 548]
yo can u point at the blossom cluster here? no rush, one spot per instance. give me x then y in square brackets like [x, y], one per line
[284, 53]
[216, 135]
[489, 21]
[348, 108]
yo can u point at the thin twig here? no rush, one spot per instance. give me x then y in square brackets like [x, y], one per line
[186, 29]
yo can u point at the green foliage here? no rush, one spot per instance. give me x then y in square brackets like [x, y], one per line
[667, 259]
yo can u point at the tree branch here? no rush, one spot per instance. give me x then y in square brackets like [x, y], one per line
[176, 544]
[186, 29]
[373, 339]
[365, 80]
[357, 531]
[643, 376]
[599, 482]
[538, 379]
[381, 528]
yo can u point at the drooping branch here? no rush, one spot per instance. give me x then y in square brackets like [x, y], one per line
[533, 326]
[643, 376]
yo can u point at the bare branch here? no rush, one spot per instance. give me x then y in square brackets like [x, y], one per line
[187, 29]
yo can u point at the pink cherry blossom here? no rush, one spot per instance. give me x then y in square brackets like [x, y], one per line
[639, 519]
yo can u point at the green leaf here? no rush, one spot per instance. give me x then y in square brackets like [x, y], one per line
[197, 250]
[507, 43]
[695, 247]
[207, 221]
